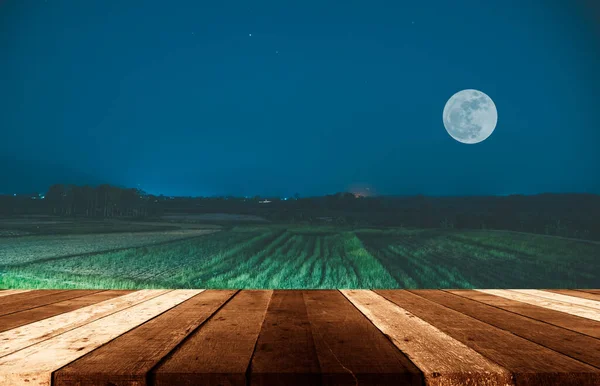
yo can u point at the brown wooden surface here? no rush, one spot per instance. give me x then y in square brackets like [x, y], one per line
[442, 359]
[308, 337]
[35, 364]
[128, 359]
[560, 319]
[42, 300]
[219, 353]
[5, 293]
[17, 319]
[530, 363]
[285, 352]
[25, 296]
[340, 331]
[570, 343]
[579, 294]
[591, 291]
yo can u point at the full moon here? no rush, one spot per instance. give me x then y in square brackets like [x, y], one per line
[470, 116]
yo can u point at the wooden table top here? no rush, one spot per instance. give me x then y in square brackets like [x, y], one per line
[300, 337]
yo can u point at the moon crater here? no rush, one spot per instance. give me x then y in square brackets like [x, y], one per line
[470, 116]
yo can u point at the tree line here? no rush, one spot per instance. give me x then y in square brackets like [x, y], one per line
[568, 215]
[83, 201]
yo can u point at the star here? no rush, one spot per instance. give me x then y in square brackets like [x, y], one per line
[250, 35]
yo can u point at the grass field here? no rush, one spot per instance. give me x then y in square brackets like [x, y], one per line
[276, 256]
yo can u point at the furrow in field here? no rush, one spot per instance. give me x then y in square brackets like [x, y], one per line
[215, 277]
[24, 251]
[538, 248]
[124, 264]
[398, 266]
[276, 271]
[203, 252]
[440, 257]
[324, 256]
[402, 267]
[346, 262]
[482, 264]
[300, 275]
[337, 274]
[438, 268]
[429, 268]
[118, 270]
[205, 275]
[313, 265]
[549, 268]
[294, 273]
[369, 270]
[259, 270]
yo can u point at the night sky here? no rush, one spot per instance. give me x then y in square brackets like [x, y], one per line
[315, 96]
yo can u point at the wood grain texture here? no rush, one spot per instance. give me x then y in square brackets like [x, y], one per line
[576, 293]
[17, 319]
[219, 352]
[442, 359]
[34, 365]
[569, 308]
[340, 332]
[570, 343]
[127, 360]
[26, 296]
[530, 363]
[12, 292]
[43, 300]
[591, 291]
[285, 352]
[30, 334]
[561, 298]
[568, 321]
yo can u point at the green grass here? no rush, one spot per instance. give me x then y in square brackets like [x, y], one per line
[276, 256]
[72, 227]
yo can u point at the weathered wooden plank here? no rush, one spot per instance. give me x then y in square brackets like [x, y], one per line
[25, 296]
[351, 349]
[34, 365]
[561, 298]
[12, 292]
[576, 293]
[17, 319]
[570, 343]
[40, 301]
[285, 352]
[592, 291]
[442, 359]
[569, 308]
[568, 321]
[219, 352]
[30, 334]
[128, 359]
[530, 363]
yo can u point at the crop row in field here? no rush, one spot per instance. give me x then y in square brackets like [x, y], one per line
[24, 250]
[484, 259]
[248, 258]
[279, 257]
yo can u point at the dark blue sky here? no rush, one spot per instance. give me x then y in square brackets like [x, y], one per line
[323, 96]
